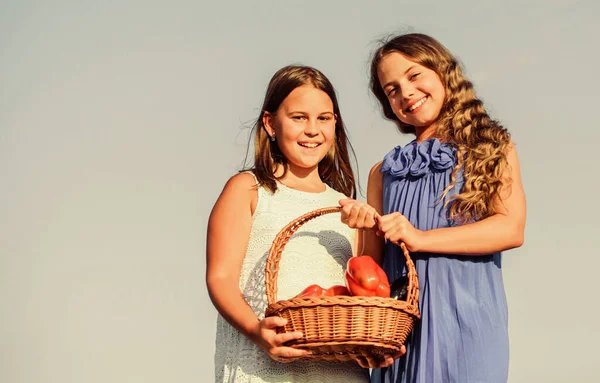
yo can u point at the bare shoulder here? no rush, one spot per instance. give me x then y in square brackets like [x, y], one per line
[375, 176]
[511, 155]
[375, 188]
[376, 169]
[242, 182]
[239, 191]
[511, 149]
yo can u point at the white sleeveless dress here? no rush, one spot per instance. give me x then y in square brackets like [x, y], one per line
[316, 253]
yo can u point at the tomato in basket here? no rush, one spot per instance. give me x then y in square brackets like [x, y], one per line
[311, 291]
[336, 290]
[364, 277]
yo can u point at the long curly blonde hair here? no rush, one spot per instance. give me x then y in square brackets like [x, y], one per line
[481, 142]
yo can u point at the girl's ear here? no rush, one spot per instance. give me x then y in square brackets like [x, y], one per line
[267, 120]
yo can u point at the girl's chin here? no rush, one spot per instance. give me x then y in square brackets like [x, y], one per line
[421, 123]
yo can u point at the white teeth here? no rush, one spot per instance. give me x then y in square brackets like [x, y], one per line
[309, 145]
[417, 104]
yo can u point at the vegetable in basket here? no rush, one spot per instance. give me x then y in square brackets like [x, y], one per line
[399, 288]
[336, 290]
[316, 290]
[364, 277]
[311, 291]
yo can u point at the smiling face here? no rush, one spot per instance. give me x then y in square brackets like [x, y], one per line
[304, 127]
[415, 93]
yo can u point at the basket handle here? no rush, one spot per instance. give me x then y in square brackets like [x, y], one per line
[284, 235]
[412, 296]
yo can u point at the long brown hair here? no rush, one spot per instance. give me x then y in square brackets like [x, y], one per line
[335, 168]
[480, 141]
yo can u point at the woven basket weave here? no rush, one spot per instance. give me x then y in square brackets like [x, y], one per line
[335, 329]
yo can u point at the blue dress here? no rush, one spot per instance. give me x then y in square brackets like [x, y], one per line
[462, 336]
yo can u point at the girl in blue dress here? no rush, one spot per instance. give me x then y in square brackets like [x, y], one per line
[454, 196]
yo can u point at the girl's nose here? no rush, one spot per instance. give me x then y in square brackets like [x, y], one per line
[408, 91]
[311, 128]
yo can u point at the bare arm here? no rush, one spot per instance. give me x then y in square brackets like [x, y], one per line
[502, 231]
[361, 215]
[373, 244]
[227, 238]
[228, 231]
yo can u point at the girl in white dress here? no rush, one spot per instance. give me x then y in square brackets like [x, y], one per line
[301, 163]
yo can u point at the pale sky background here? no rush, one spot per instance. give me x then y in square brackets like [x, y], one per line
[120, 122]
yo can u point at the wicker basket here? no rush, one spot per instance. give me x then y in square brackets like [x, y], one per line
[337, 328]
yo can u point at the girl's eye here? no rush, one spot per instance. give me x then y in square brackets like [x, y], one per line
[298, 118]
[414, 76]
[325, 118]
[391, 92]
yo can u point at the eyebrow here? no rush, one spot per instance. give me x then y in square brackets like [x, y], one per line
[408, 70]
[405, 72]
[301, 112]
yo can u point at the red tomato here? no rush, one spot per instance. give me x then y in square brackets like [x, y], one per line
[311, 291]
[364, 277]
[336, 290]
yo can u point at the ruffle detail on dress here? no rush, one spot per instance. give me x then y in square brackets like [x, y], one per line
[416, 159]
